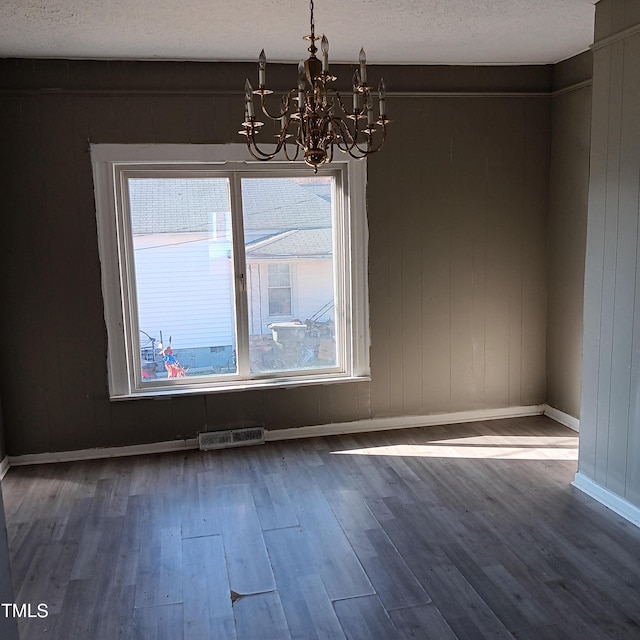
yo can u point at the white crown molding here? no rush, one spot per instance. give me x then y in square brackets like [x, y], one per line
[572, 87]
[616, 37]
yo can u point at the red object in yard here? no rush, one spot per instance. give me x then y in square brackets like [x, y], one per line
[171, 364]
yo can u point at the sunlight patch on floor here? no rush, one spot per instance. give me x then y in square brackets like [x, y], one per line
[481, 447]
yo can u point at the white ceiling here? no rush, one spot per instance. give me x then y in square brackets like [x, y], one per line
[392, 31]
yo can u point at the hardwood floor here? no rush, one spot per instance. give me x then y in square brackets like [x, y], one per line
[465, 531]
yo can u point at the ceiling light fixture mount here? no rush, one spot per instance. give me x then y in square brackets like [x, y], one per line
[314, 113]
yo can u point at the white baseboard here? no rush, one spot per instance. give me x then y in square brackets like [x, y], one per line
[106, 452]
[609, 499]
[4, 467]
[340, 428]
[404, 422]
[562, 417]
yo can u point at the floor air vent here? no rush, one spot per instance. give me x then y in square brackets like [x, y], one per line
[231, 438]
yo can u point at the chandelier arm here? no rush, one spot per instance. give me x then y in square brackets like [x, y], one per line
[285, 147]
[357, 156]
[348, 113]
[340, 128]
[370, 148]
[351, 145]
[383, 138]
[349, 138]
[258, 153]
[360, 150]
[357, 152]
[286, 152]
[255, 154]
[330, 159]
[263, 105]
[301, 134]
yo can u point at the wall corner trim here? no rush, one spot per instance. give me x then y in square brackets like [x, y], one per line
[562, 417]
[609, 499]
[4, 467]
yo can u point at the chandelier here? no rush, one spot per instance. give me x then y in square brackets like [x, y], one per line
[313, 116]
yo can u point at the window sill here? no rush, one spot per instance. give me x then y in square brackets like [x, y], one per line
[282, 383]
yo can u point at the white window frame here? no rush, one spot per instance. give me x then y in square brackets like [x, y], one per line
[111, 160]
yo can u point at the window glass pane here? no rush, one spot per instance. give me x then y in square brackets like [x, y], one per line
[182, 248]
[288, 228]
[279, 275]
[279, 289]
[280, 301]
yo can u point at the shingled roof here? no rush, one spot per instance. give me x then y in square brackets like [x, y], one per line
[272, 203]
[173, 205]
[300, 243]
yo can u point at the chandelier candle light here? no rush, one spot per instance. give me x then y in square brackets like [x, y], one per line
[315, 115]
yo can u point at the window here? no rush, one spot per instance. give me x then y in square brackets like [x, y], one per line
[279, 283]
[222, 273]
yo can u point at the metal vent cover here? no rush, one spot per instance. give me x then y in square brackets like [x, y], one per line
[230, 438]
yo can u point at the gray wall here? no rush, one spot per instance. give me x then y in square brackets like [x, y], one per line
[567, 225]
[3, 450]
[610, 411]
[457, 207]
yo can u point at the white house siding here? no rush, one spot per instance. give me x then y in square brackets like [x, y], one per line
[313, 283]
[185, 289]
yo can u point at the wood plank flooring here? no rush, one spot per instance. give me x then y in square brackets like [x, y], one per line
[457, 532]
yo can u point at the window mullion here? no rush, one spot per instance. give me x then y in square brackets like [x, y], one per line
[240, 277]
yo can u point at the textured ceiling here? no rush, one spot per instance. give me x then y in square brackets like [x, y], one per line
[392, 31]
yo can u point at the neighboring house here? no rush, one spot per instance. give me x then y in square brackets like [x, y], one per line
[289, 250]
[181, 226]
[290, 277]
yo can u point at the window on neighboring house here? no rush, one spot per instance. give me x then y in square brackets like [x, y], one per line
[279, 291]
[205, 262]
